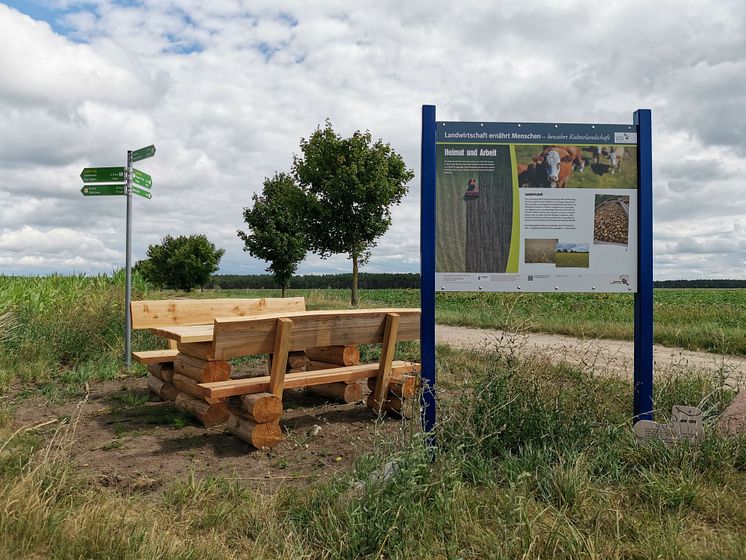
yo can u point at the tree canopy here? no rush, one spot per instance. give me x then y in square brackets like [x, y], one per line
[182, 263]
[276, 230]
[350, 185]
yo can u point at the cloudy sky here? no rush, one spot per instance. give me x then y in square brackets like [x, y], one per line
[225, 89]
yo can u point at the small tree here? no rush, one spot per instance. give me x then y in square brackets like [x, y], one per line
[181, 262]
[351, 184]
[276, 232]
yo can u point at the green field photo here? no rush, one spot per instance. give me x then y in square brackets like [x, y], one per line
[572, 255]
[475, 209]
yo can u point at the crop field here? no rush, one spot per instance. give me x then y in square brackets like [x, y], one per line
[535, 460]
[577, 260]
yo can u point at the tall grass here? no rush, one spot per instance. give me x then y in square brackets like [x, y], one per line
[534, 461]
[60, 325]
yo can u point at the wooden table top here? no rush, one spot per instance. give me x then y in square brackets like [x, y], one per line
[186, 334]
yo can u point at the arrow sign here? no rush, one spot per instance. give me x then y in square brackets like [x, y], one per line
[102, 190]
[102, 174]
[142, 192]
[143, 153]
[142, 179]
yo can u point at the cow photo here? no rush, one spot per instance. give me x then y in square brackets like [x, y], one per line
[561, 166]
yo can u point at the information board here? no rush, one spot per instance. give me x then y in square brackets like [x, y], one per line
[536, 207]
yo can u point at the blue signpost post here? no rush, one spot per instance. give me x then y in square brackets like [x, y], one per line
[460, 151]
[643, 392]
[427, 270]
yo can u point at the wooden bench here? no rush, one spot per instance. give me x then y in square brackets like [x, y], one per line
[154, 314]
[255, 404]
[174, 377]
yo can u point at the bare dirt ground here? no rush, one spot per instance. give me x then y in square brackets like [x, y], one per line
[131, 442]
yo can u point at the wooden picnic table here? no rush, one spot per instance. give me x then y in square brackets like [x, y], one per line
[186, 334]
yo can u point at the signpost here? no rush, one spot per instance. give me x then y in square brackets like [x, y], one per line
[141, 192]
[142, 179]
[143, 153]
[104, 190]
[103, 174]
[121, 181]
[532, 207]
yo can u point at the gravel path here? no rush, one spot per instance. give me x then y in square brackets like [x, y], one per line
[612, 357]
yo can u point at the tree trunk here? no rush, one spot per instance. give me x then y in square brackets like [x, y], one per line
[284, 289]
[354, 300]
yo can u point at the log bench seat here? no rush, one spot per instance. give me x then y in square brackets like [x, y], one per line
[148, 357]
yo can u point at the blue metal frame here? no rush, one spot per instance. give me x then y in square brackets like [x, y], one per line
[643, 390]
[427, 270]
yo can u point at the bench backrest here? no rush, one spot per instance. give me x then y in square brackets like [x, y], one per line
[234, 337]
[169, 312]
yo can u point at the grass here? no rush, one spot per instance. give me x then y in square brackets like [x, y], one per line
[578, 260]
[60, 332]
[535, 461]
[712, 320]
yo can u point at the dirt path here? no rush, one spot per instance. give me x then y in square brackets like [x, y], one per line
[613, 357]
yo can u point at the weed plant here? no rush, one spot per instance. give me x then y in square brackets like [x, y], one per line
[63, 329]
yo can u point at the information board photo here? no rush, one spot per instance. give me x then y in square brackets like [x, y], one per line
[536, 207]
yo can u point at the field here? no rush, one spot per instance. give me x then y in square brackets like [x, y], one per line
[577, 260]
[713, 320]
[465, 223]
[535, 460]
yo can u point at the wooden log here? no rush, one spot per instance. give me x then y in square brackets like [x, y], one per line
[200, 370]
[208, 414]
[259, 407]
[297, 360]
[261, 436]
[166, 391]
[392, 404]
[191, 388]
[340, 355]
[347, 393]
[403, 387]
[162, 371]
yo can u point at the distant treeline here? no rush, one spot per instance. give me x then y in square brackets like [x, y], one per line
[367, 281]
[379, 281]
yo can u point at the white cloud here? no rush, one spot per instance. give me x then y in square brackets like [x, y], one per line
[226, 89]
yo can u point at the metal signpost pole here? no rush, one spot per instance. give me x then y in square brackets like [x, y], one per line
[643, 390]
[427, 270]
[128, 267]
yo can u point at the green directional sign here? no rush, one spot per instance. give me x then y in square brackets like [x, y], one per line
[143, 153]
[142, 179]
[142, 192]
[103, 190]
[102, 174]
